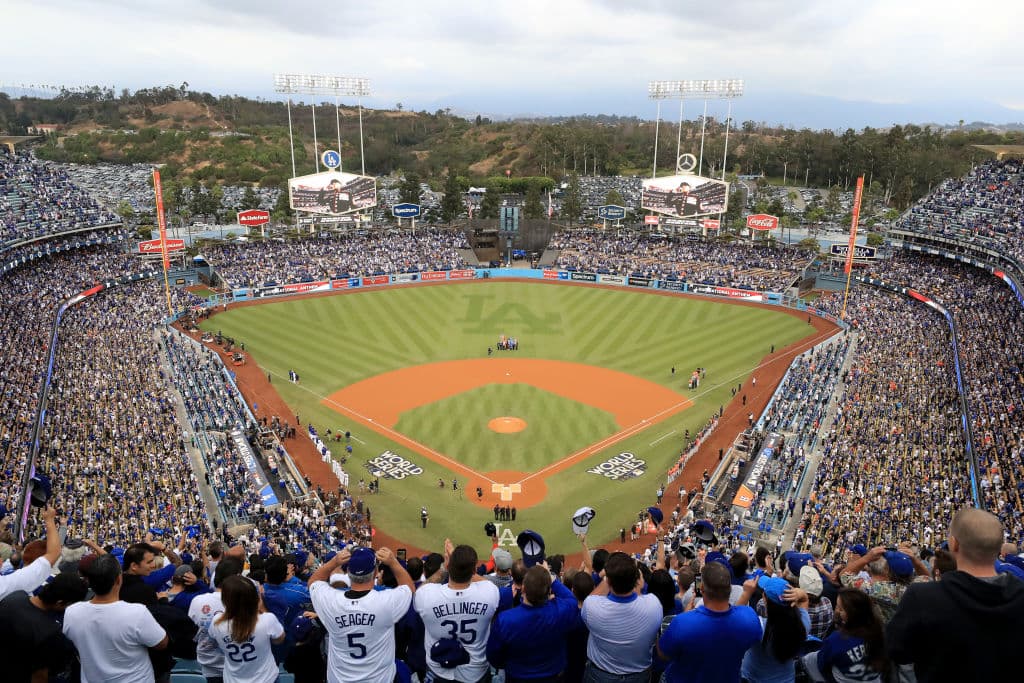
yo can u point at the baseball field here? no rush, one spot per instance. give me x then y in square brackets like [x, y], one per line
[587, 411]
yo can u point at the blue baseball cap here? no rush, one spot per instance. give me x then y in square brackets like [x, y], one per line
[859, 549]
[704, 531]
[657, 516]
[899, 563]
[532, 546]
[449, 653]
[362, 563]
[719, 558]
[301, 628]
[774, 588]
[796, 561]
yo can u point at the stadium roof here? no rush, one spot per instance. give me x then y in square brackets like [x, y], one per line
[9, 141]
[1002, 151]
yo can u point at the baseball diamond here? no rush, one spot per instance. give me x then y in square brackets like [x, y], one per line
[407, 370]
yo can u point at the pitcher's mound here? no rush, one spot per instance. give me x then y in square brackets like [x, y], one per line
[507, 425]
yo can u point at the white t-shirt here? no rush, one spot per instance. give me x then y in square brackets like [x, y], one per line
[464, 614]
[25, 579]
[112, 640]
[251, 661]
[360, 630]
[202, 611]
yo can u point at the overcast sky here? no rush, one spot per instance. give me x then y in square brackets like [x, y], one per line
[820, 63]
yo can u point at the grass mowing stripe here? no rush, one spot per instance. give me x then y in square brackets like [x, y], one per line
[401, 319]
[610, 317]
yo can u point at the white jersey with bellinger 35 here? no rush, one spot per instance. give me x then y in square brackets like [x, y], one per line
[360, 631]
[464, 614]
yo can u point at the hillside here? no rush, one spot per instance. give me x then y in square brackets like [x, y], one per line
[230, 139]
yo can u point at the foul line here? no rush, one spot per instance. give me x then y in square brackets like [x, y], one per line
[436, 456]
[663, 437]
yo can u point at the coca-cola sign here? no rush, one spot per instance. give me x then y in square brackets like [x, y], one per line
[762, 221]
[253, 217]
[153, 246]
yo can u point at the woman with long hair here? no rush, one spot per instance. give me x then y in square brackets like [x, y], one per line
[856, 649]
[784, 631]
[245, 634]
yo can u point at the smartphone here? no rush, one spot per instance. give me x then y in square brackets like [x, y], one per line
[697, 593]
[400, 554]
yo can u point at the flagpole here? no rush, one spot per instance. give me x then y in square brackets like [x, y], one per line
[162, 225]
[853, 241]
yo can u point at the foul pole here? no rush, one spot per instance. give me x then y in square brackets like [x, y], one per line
[848, 267]
[162, 225]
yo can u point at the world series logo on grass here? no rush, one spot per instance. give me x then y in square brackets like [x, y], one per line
[622, 466]
[391, 465]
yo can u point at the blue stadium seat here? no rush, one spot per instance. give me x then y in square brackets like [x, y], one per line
[186, 666]
[187, 678]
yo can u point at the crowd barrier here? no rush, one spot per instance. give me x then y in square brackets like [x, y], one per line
[273, 289]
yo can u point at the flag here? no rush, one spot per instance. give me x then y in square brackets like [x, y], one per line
[551, 209]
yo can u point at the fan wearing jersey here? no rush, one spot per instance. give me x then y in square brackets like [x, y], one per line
[360, 621]
[457, 619]
[244, 635]
[203, 610]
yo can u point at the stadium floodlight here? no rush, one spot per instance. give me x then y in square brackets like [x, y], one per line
[321, 84]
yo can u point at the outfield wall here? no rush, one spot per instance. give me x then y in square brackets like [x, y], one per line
[273, 290]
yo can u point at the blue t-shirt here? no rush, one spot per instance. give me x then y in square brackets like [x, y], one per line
[514, 644]
[841, 659]
[704, 645]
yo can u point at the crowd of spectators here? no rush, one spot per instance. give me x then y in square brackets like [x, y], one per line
[256, 263]
[985, 206]
[38, 200]
[702, 261]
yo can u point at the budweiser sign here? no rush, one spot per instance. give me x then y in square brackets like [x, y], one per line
[252, 218]
[153, 246]
[762, 221]
[712, 224]
[650, 220]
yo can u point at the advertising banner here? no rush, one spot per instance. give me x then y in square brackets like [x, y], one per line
[651, 220]
[341, 284]
[550, 274]
[672, 285]
[684, 195]
[461, 274]
[639, 281]
[154, 246]
[405, 277]
[332, 193]
[762, 221]
[583, 277]
[295, 287]
[252, 218]
[433, 276]
[714, 290]
[612, 279]
[859, 252]
[376, 280]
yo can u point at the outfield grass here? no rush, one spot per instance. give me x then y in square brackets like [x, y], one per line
[555, 427]
[334, 341]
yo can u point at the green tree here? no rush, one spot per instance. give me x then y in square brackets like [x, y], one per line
[875, 239]
[249, 199]
[832, 204]
[281, 208]
[532, 207]
[490, 208]
[125, 211]
[409, 189]
[451, 203]
[572, 204]
[810, 243]
[614, 198]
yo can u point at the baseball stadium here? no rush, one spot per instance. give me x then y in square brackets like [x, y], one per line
[553, 396]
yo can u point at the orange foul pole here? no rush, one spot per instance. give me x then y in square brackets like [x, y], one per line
[848, 267]
[162, 225]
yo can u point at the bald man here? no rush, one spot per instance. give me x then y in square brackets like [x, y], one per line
[970, 625]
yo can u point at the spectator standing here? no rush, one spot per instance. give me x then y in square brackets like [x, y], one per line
[457, 619]
[969, 625]
[283, 597]
[360, 621]
[707, 643]
[203, 610]
[514, 644]
[34, 573]
[622, 623]
[245, 635]
[784, 631]
[112, 636]
[855, 651]
[31, 644]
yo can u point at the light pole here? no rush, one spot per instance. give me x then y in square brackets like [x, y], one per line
[723, 89]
